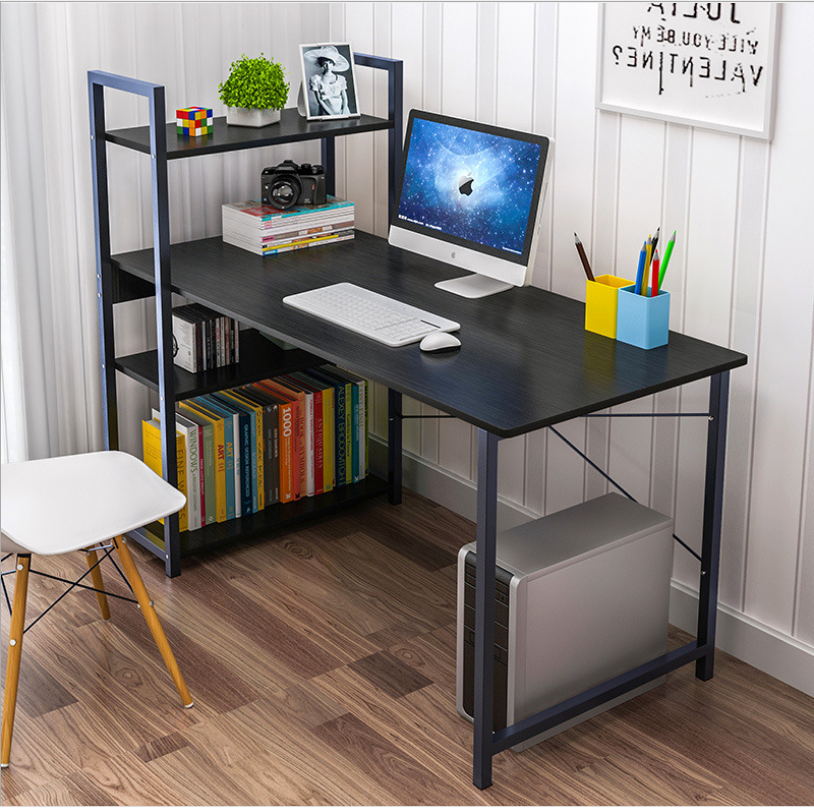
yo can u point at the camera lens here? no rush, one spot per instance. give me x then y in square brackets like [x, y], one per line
[284, 192]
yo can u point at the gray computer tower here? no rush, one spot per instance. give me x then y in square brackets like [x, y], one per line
[581, 596]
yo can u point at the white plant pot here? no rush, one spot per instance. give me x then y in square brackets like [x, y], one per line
[242, 116]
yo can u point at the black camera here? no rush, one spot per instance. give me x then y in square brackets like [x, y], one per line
[288, 184]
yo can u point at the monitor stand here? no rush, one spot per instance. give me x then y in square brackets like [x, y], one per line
[473, 286]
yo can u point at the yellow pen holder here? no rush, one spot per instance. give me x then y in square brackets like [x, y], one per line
[601, 303]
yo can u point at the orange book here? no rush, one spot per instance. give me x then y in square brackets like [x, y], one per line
[289, 443]
[292, 466]
[279, 387]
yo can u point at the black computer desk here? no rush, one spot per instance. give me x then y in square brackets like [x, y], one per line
[525, 363]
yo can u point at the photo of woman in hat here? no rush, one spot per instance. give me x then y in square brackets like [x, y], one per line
[328, 80]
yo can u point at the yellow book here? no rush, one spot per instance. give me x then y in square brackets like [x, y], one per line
[328, 438]
[220, 456]
[261, 447]
[151, 439]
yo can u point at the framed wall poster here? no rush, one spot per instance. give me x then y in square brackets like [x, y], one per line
[328, 81]
[702, 64]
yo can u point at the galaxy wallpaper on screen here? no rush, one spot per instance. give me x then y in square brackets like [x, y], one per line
[469, 184]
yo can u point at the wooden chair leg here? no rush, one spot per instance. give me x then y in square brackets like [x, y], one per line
[98, 583]
[14, 653]
[152, 618]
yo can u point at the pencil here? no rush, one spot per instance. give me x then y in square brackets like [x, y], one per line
[584, 258]
[649, 245]
[654, 286]
[656, 238]
[640, 271]
[667, 253]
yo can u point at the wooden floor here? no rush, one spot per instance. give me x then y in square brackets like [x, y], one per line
[322, 664]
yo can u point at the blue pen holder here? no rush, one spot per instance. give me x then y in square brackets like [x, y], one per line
[643, 321]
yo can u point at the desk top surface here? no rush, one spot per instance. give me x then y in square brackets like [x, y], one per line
[525, 362]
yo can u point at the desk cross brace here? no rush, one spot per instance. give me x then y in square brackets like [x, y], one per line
[486, 741]
[614, 483]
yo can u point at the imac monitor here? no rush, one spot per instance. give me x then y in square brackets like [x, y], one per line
[471, 195]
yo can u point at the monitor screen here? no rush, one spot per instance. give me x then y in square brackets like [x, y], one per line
[471, 184]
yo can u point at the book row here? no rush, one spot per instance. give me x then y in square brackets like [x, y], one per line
[203, 338]
[265, 230]
[277, 440]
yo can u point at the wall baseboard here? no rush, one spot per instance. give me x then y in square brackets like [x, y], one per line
[757, 644]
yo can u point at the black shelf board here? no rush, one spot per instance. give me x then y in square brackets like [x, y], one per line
[259, 359]
[291, 128]
[273, 518]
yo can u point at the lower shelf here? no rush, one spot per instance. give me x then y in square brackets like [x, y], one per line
[275, 517]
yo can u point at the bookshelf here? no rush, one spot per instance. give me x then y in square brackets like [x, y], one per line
[120, 279]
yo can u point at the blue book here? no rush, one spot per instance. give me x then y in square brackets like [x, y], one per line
[358, 421]
[229, 444]
[246, 443]
[232, 396]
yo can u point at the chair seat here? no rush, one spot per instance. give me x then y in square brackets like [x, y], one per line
[62, 504]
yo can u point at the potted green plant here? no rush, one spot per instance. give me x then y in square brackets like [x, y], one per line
[255, 91]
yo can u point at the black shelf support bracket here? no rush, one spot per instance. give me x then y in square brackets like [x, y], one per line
[98, 80]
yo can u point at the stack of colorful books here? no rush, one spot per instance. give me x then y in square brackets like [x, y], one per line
[245, 449]
[265, 230]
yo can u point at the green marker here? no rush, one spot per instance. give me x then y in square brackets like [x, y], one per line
[667, 253]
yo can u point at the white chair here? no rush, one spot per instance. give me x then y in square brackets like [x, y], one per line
[81, 502]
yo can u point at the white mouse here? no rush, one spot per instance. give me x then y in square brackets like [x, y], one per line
[439, 341]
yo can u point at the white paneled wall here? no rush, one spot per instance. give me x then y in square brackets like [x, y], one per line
[740, 275]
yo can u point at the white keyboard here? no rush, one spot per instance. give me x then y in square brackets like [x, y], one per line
[370, 314]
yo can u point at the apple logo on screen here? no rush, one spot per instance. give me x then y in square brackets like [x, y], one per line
[465, 183]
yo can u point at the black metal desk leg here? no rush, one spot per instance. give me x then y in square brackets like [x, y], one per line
[713, 507]
[485, 608]
[394, 446]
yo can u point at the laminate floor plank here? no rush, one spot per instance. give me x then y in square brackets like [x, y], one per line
[432, 654]
[54, 793]
[197, 781]
[398, 774]
[288, 641]
[389, 674]
[332, 622]
[322, 665]
[130, 781]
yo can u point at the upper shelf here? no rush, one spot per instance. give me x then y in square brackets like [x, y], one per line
[291, 127]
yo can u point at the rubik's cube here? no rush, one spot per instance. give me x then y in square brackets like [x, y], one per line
[194, 121]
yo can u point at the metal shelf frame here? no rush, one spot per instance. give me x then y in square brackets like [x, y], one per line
[98, 82]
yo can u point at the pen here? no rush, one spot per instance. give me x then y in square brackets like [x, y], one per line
[584, 258]
[640, 270]
[649, 246]
[654, 286]
[667, 253]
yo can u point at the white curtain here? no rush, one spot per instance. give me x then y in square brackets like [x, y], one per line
[49, 376]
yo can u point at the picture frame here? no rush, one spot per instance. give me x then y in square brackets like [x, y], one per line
[712, 65]
[328, 98]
